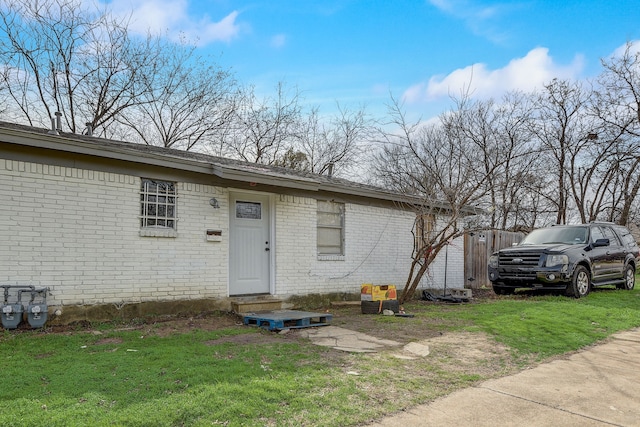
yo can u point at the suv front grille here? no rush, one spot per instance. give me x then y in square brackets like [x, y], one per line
[518, 265]
[519, 259]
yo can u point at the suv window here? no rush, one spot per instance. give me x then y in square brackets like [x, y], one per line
[609, 234]
[596, 234]
[567, 235]
[627, 238]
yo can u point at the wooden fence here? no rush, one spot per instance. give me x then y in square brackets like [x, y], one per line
[478, 247]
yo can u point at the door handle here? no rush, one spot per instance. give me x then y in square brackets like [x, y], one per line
[267, 249]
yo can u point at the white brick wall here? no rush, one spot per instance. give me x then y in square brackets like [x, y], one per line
[77, 232]
[378, 245]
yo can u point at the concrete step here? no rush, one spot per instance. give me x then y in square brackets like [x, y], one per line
[464, 293]
[255, 304]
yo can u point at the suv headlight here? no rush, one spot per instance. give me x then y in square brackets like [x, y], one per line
[553, 260]
[493, 261]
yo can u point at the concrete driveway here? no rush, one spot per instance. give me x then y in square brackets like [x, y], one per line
[599, 386]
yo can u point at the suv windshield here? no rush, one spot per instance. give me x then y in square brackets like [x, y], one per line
[566, 235]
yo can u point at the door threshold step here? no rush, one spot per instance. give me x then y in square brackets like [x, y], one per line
[254, 304]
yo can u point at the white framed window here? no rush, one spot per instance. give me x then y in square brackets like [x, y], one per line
[330, 218]
[157, 207]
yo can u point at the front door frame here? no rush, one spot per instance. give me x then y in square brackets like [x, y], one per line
[248, 195]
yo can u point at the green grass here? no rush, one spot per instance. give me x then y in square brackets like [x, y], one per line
[544, 326]
[126, 378]
[175, 380]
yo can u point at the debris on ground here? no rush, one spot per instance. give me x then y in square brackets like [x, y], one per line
[448, 298]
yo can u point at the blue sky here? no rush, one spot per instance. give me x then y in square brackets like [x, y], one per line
[422, 51]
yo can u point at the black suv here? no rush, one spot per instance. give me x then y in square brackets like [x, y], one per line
[572, 258]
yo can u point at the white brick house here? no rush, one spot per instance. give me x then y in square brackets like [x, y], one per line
[107, 222]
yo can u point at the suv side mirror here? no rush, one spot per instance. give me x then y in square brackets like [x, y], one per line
[600, 242]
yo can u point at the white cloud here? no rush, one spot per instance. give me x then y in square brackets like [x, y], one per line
[524, 74]
[470, 11]
[224, 30]
[443, 5]
[634, 49]
[172, 17]
[278, 41]
[482, 20]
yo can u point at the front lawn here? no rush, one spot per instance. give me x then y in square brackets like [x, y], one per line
[156, 375]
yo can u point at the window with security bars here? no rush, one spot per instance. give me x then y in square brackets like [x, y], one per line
[330, 228]
[157, 204]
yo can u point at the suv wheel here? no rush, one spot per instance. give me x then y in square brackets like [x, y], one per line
[580, 283]
[629, 278]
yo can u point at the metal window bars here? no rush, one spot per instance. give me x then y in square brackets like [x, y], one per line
[158, 204]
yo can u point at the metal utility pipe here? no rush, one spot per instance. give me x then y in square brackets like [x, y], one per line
[42, 291]
[53, 130]
[7, 287]
[20, 293]
[446, 266]
[58, 121]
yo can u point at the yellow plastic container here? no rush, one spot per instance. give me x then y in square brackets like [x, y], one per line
[370, 292]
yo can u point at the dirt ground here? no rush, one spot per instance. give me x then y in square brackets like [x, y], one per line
[463, 352]
[349, 317]
[345, 316]
[455, 359]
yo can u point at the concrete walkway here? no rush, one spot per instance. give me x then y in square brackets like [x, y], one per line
[346, 340]
[599, 386]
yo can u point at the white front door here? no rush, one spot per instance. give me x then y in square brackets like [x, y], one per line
[249, 244]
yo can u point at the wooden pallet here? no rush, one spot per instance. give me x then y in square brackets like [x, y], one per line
[286, 319]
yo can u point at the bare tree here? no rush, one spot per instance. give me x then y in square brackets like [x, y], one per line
[114, 78]
[3, 98]
[293, 159]
[57, 56]
[261, 130]
[617, 106]
[436, 168]
[501, 137]
[37, 44]
[560, 129]
[335, 142]
[591, 173]
[187, 101]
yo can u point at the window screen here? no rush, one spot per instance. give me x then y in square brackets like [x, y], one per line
[330, 228]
